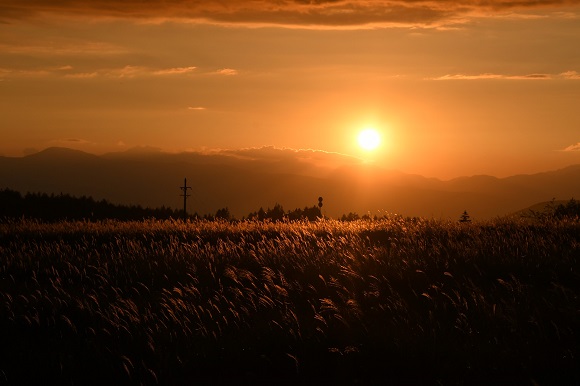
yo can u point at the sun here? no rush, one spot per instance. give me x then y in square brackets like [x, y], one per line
[369, 139]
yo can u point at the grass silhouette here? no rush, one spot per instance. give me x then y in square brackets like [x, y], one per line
[394, 301]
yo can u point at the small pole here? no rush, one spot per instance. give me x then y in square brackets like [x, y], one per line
[185, 195]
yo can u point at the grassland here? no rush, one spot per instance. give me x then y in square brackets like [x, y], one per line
[393, 301]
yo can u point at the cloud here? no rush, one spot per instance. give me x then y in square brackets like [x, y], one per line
[61, 47]
[575, 147]
[82, 75]
[12, 73]
[487, 76]
[290, 13]
[227, 71]
[134, 71]
[70, 141]
[128, 71]
[277, 154]
[568, 75]
[175, 71]
[197, 108]
[571, 75]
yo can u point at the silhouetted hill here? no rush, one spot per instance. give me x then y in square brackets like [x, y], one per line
[247, 179]
[61, 154]
[540, 208]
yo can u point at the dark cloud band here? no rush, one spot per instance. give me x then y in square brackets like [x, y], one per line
[301, 13]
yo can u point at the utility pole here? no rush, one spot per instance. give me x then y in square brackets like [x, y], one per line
[185, 195]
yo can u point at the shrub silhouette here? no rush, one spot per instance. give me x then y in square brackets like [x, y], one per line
[569, 210]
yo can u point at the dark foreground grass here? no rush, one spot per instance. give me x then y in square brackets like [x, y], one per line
[386, 302]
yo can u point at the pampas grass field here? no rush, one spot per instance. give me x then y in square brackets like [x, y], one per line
[394, 301]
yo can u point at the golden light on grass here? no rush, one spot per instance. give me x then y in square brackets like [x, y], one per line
[170, 288]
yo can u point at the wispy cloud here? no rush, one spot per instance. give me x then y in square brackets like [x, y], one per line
[175, 71]
[571, 75]
[575, 147]
[291, 13]
[82, 75]
[273, 153]
[61, 47]
[197, 108]
[227, 71]
[14, 73]
[128, 71]
[487, 76]
[71, 142]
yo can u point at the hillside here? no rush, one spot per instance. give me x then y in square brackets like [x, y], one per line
[244, 180]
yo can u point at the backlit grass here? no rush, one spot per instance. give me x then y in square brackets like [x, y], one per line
[375, 302]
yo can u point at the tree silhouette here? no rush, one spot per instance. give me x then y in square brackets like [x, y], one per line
[569, 210]
[464, 217]
[60, 207]
[312, 213]
[223, 214]
[351, 216]
[276, 213]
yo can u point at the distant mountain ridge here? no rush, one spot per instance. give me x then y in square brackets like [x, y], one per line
[246, 179]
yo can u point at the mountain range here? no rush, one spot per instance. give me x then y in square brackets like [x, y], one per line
[246, 179]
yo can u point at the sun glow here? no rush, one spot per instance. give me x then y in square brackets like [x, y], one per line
[369, 139]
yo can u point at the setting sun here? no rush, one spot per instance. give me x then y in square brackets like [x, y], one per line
[369, 139]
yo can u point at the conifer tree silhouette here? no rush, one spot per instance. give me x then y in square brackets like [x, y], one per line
[464, 217]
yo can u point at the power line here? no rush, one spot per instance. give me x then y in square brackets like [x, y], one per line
[185, 195]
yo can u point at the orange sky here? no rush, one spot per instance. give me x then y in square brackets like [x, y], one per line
[455, 87]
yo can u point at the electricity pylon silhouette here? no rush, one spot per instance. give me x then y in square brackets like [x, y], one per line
[185, 195]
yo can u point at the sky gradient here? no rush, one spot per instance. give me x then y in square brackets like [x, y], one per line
[454, 87]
